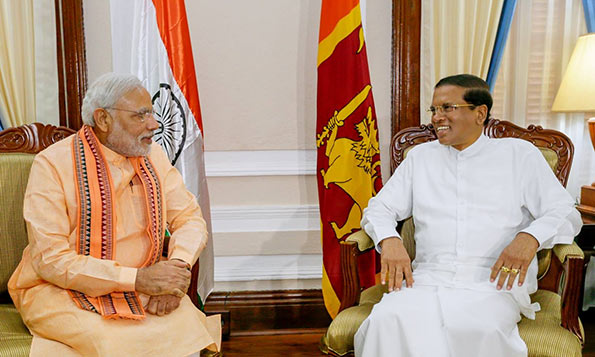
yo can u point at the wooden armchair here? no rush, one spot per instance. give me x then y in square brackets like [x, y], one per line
[18, 147]
[556, 330]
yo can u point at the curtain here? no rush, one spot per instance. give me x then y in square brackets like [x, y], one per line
[457, 36]
[17, 62]
[542, 37]
[589, 7]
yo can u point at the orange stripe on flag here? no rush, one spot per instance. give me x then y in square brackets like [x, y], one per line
[331, 13]
[173, 28]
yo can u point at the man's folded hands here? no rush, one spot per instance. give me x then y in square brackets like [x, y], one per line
[169, 277]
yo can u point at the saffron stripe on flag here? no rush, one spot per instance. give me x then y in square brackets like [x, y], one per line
[151, 39]
[173, 27]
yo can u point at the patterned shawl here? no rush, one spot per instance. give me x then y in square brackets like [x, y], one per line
[97, 223]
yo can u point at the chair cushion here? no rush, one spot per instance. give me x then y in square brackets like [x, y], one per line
[544, 336]
[373, 295]
[544, 258]
[15, 339]
[408, 236]
[339, 336]
[550, 156]
[14, 174]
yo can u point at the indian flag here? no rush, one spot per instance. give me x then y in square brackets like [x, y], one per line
[151, 40]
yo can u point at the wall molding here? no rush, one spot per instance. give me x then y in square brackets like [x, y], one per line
[265, 218]
[268, 267]
[260, 163]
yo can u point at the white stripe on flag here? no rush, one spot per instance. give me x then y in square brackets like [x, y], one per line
[137, 48]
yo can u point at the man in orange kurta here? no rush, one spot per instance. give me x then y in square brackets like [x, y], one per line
[57, 281]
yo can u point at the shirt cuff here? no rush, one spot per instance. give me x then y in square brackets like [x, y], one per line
[389, 234]
[542, 234]
[128, 278]
[186, 258]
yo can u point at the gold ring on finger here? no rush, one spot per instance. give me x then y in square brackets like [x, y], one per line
[514, 271]
[505, 269]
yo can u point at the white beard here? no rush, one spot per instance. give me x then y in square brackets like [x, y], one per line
[125, 144]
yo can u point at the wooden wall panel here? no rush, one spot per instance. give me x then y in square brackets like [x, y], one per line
[406, 64]
[246, 313]
[72, 62]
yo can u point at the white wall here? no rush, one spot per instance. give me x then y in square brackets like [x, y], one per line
[256, 70]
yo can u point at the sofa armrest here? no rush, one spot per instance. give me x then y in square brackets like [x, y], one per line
[571, 258]
[363, 240]
[565, 278]
[562, 251]
[351, 248]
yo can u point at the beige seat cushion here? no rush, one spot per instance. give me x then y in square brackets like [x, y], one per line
[15, 339]
[339, 336]
[544, 335]
[544, 256]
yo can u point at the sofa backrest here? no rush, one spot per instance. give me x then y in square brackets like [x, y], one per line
[556, 148]
[18, 147]
[14, 174]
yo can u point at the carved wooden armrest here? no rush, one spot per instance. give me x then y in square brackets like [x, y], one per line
[562, 251]
[571, 257]
[363, 240]
[351, 248]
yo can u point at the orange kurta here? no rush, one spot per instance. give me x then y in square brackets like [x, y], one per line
[50, 263]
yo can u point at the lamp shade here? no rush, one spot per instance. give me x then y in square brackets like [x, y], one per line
[577, 90]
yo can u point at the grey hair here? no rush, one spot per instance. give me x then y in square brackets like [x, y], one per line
[105, 92]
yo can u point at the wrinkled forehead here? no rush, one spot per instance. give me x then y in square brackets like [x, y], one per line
[137, 98]
[448, 94]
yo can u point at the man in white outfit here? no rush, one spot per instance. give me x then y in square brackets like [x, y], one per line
[482, 208]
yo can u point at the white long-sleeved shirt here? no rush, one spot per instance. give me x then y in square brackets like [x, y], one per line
[468, 206]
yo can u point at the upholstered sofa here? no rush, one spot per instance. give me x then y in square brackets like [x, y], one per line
[556, 331]
[18, 147]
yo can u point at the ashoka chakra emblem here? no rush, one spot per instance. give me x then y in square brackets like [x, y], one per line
[171, 134]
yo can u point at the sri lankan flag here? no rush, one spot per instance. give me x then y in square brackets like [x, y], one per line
[347, 141]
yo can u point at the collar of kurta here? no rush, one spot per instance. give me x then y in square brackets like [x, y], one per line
[96, 222]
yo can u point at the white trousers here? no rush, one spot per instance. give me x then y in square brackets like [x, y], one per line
[436, 321]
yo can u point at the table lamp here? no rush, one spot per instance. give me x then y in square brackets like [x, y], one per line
[577, 94]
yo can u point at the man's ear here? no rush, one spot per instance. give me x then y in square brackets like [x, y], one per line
[102, 119]
[482, 113]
